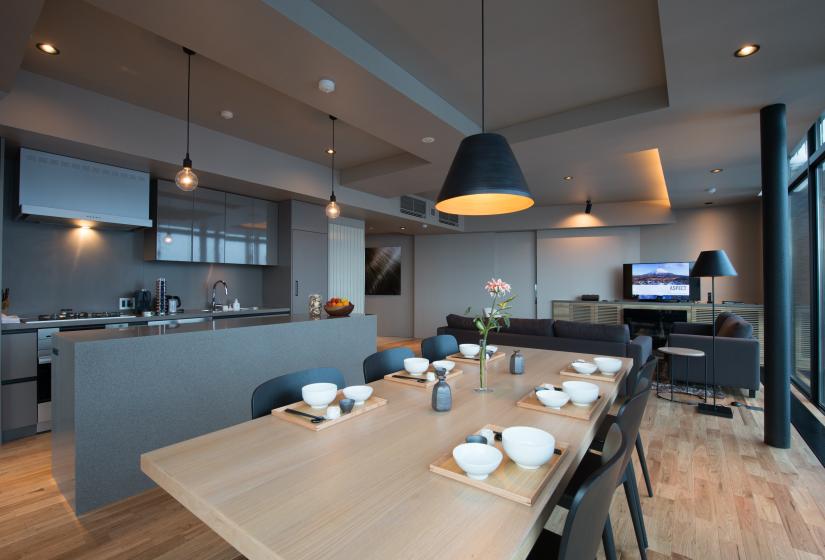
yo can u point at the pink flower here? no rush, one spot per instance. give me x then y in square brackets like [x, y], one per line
[496, 287]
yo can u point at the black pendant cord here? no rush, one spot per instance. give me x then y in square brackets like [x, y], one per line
[188, 93]
[483, 129]
[332, 165]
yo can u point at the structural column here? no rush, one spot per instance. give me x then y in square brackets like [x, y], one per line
[776, 262]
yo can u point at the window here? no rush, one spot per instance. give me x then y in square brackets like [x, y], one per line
[799, 159]
[819, 270]
[801, 285]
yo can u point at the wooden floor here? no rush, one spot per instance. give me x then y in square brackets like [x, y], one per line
[720, 493]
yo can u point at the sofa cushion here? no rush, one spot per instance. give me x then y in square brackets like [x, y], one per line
[589, 331]
[536, 327]
[736, 327]
[721, 318]
[459, 322]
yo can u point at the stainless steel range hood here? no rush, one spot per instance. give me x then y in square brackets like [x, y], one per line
[65, 190]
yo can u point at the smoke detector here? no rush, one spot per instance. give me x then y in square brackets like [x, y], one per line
[326, 85]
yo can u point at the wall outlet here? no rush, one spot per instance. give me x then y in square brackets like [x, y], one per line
[125, 303]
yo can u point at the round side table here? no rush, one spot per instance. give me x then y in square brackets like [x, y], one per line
[687, 354]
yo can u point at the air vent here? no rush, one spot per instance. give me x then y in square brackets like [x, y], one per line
[448, 219]
[413, 206]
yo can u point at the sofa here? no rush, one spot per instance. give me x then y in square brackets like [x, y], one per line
[737, 352]
[567, 336]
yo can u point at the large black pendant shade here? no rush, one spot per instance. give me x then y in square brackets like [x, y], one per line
[712, 263]
[484, 179]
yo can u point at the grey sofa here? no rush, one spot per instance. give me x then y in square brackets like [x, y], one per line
[737, 352]
[567, 336]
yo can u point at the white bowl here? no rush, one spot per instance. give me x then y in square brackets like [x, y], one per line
[477, 459]
[444, 364]
[416, 366]
[469, 350]
[608, 366]
[358, 393]
[553, 399]
[492, 349]
[319, 395]
[528, 447]
[584, 367]
[581, 393]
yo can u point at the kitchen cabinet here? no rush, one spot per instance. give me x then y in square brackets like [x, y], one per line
[19, 356]
[251, 231]
[309, 268]
[208, 226]
[170, 239]
[19, 409]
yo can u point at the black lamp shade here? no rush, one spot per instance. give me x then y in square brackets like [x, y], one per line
[484, 179]
[713, 263]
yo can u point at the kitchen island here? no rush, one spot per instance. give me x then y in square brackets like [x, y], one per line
[117, 393]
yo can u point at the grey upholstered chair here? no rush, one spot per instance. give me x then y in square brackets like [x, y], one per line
[286, 389]
[439, 347]
[377, 365]
[589, 508]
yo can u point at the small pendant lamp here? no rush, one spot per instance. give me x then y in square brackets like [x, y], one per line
[484, 178]
[332, 209]
[186, 179]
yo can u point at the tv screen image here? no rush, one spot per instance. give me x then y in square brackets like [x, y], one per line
[661, 280]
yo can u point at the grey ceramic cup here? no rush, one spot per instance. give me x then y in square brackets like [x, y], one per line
[346, 405]
[475, 438]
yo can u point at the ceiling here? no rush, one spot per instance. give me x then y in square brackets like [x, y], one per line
[636, 100]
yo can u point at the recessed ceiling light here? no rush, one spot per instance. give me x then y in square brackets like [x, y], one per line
[710, 190]
[428, 139]
[48, 48]
[746, 50]
[716, 170]
[326, 85]
[403, 228]
[568, 177]
[330, 151]
[227, 114]
[425, 226]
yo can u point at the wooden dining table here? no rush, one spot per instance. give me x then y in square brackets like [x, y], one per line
[363, 488]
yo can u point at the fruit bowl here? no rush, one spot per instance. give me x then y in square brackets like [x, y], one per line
[338, 307]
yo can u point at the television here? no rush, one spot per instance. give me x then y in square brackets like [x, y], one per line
[660, 281]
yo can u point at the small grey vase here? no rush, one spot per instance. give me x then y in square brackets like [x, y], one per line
[442, 394]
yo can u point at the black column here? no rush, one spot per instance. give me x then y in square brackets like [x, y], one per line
[776, 263]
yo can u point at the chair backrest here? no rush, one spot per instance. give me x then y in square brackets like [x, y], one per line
[629, 417]
[286, 389]
[439, 347]
[644, 372]
[377, 365]
[591, 504]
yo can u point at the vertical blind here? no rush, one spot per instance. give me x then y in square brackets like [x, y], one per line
[346, 262]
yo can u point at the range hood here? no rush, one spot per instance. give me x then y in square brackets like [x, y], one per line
[71, 191]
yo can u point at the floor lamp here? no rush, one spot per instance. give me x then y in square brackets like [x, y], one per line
[712, 264]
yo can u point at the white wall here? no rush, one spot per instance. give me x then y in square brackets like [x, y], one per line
[450, 272]
[736, 229]
[583, 261]
[346, 261]
[395, 313]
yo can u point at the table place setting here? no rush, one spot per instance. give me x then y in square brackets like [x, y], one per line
[324, 405]
[602, 368]
[576, 399]
[469, 353]
[514, 463]
[419, 372]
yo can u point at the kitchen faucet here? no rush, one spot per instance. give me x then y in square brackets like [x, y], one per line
[215, 306]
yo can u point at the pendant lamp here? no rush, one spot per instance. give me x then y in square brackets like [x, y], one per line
[484, 178]
[332, 209]
[186, 179]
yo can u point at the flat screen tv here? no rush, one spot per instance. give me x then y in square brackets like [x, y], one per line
[661, 281]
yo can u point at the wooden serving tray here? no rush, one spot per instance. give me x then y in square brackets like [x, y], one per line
[531, 401]
[597, 375]
[370, 404]
[458, 357]
[391, 377]
[508, 480]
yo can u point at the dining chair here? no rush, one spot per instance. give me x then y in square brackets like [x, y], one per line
[589, 507]
[629, 418]
[645, 372]
[286, 389]
[439, 347]
[377, 365]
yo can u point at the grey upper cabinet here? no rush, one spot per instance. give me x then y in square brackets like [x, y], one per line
[211, 226]
[208, 226]
[171, 237]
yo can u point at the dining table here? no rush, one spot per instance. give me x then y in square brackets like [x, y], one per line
[363, 488]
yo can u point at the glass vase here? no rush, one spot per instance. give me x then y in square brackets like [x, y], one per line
[483, 387]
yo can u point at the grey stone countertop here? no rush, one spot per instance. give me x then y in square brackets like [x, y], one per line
[34, 324]
[164, 330]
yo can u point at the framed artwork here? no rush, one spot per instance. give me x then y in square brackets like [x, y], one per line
[383, 269]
